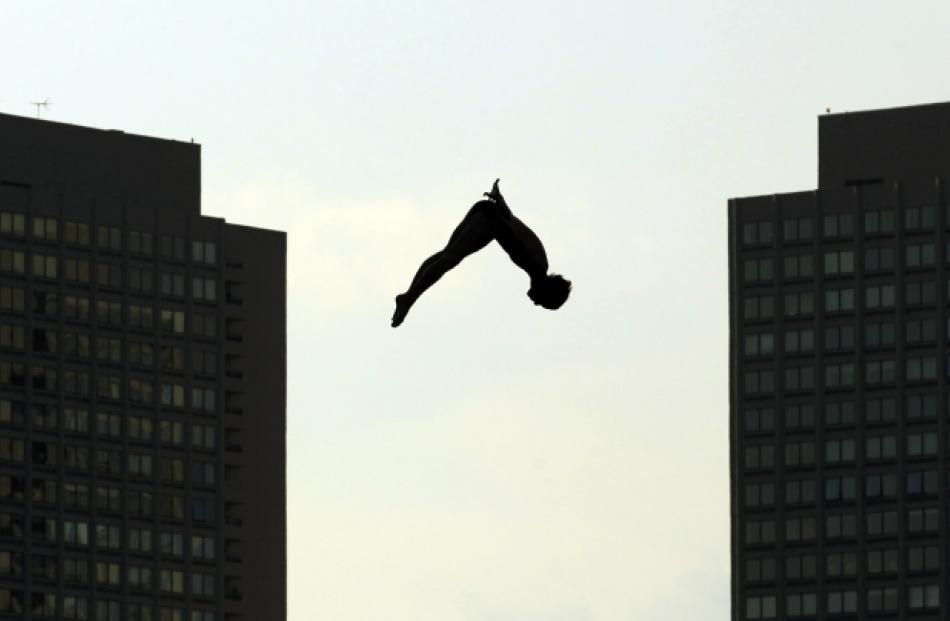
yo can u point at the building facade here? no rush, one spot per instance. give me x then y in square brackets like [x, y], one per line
[142, 387]
[839, 379]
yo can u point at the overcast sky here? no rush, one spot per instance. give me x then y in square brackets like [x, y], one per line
[490, 460]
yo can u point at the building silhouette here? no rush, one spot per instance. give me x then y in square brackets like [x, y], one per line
[142, 387]
[839, 376]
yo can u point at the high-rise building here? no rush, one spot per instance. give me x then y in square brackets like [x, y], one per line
[839, 378]
[142, 387]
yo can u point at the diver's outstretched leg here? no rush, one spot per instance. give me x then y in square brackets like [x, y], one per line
[473, 234]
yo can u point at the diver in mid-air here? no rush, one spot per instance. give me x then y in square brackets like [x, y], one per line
[488, 220]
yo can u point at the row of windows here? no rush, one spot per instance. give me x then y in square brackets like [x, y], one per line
[107, 275]
[878, 524]
[105, 461]
[877, 222]
[919, 597]
[878, 562]
[842, 450]
[842, 375]
[842, 263]
[840, 300]
[107, 238]
[839, 338]
[80, 384]
[43, 605]
[106, 499]
[801, 416]
[880, 485]
[105, 349]
[76, 420]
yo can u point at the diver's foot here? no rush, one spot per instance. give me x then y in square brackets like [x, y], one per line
[402, 309]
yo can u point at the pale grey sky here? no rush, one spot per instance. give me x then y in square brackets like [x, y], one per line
[491, 461]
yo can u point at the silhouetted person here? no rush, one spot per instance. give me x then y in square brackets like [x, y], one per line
[487, 220]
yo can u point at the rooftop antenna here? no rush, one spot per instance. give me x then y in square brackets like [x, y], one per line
[45, 104]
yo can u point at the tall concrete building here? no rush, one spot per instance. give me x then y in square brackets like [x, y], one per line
[142, 387]
[839, 379]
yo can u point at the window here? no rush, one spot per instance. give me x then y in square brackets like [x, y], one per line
[759, 569]
[12, 299]
[880, 410]
[752, 233]
[800, 567]
[173, 395]
[879, 334]
[109, 312]
[140, 465]
[109, 349]
[141, 354]
[839, 413]
[880, 372]
[839, 300]
[920, 483]
[799, 303]
[921, 369]
[840, 602]
[173, 321]
[879, 222]
[202, 548]
[921, 406]
[796, 378]
[140, 316]
[797, 229]
[203, 289]
[204, 398]
[754, 270]
[44, 228]
[171, 432]
[919, 218]
[839, 225]
[922, 596]
[880, 447]
[140, 428]
[756, 382]
[203, 473]
[109, 238]
[880, 259]
[172, 469]
[799, 341]
[77, 270]
[173, 284]
[140, 243]
[173, 358]
[922, 444]
[839, 338]
[12, 223]
[140, 390]
[77, 233]
[839, 375]
[839, 450]
[882, 523]
[799, 454]
[920, 293]
[204, 252]
[44, 266]
[759, 420]
[882, 599]
[758, 307]
[880, 486]
[173, 247]
[140, 279]
[74, 307]
[799, 492]
[839, 262]
[879, 296]
[799, 529]
[203, 436]
[923, 520]
[109, 275]
[841, 526]
[109, 499]
[800, 266]
[923, 558]
[918, 256]
[11, 260]
[919, 331]
[839, 488]
[799, 416]
[205, 325]
[12, 337]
